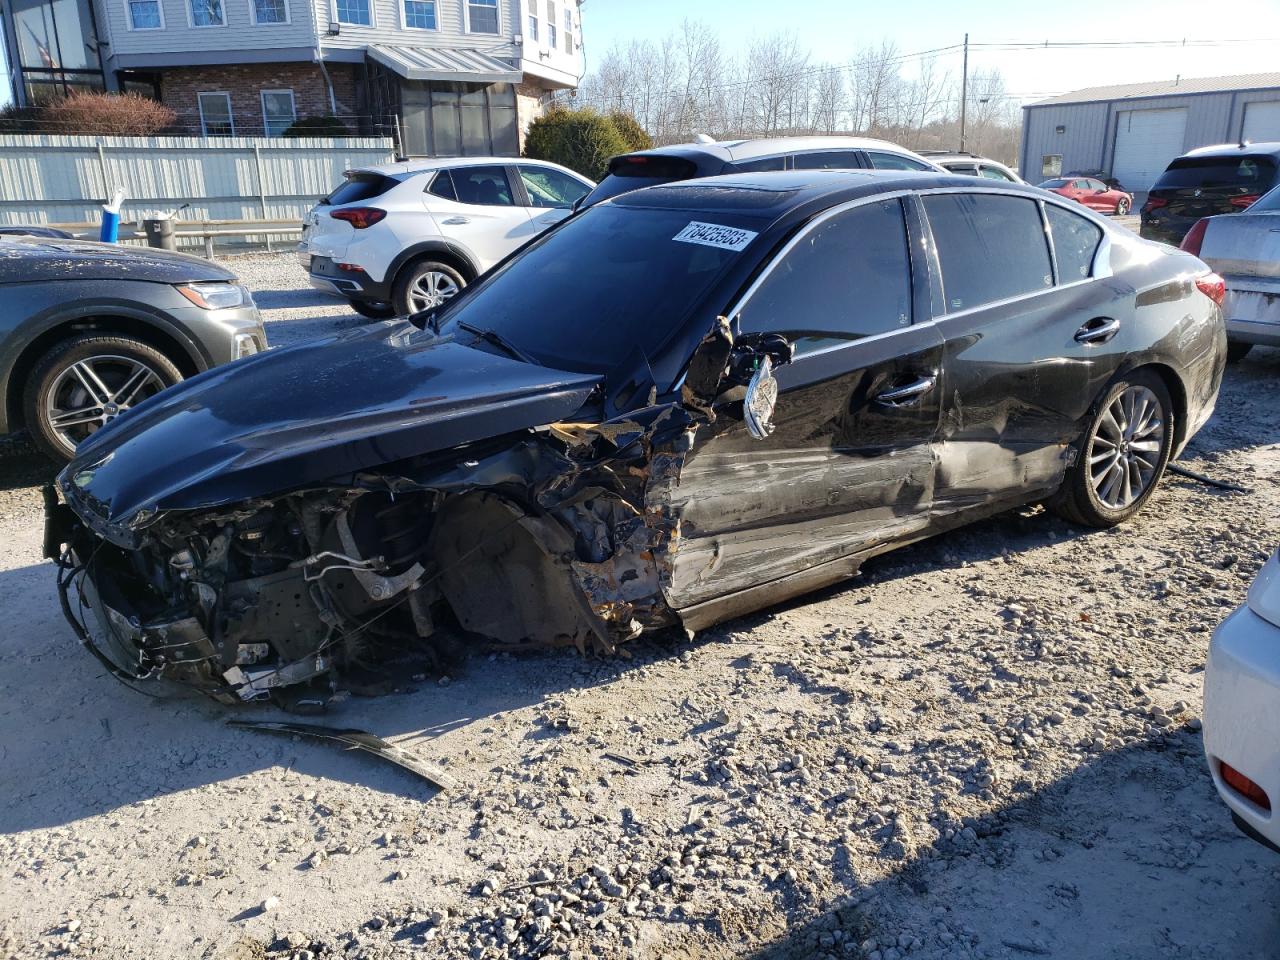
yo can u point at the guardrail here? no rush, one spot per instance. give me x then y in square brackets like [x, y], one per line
[206, 231]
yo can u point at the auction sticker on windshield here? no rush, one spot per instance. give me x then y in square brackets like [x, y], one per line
[714, 235]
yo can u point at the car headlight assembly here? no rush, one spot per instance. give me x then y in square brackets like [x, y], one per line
[213, 296]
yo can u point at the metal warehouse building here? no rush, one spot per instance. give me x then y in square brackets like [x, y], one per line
[1132, 131]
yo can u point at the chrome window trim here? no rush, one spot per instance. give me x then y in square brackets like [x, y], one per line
[1101, 266]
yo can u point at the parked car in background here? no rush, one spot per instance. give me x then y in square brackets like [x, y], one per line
[1245, 249]
[1242, 709]
[1093, 193]
[591, 441]
[711, 158]
[92, 329]
[1208, 182]
[22, 230]
[399, 238]
[971, 165]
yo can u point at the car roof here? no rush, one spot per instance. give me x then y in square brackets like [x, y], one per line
[402, 168]
[729, 150]
[780, 195]
[1270, 147]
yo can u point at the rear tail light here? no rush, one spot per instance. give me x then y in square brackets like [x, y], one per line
[1213, 287]
[359, 217]
[1246, 201]
[1242, 785]
[1154, 203]
[1195, 237]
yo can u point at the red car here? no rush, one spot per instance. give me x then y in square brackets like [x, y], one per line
[1092, 193]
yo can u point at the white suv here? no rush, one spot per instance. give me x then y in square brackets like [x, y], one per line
[403, 237]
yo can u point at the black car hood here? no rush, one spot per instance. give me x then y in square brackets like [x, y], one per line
[29, 259]
[321, 410]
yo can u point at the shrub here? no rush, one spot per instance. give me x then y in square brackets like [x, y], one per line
[107, 114]
[631, 131]
[317, 127]
[16, 119]
[581, 140]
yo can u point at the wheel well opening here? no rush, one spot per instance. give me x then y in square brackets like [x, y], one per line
[1178, 394]
[446, 257]
[124, 326]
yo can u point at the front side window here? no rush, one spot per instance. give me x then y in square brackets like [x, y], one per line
[278, 111]
[893, 161]
[215, 115]
[828, 160]
[484, 186]
[989, 247]
[551, 188]
[356, 12]
[1075, 242]
[145, 15]
[420, 14]
[270, 11]
[847, 278]
[207, 13]
[482, 16]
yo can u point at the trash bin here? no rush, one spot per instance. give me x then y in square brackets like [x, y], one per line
[160, 233]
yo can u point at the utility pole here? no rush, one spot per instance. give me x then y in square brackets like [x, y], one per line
[964, 90]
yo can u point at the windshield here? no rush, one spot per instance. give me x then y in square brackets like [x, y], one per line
[1254, 173]
[611, 280]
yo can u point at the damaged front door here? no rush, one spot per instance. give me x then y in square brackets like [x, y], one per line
[850, 461]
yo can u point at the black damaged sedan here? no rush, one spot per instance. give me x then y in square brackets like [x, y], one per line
[684, 404]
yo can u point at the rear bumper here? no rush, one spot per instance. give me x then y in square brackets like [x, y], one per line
[351, 284]
[1242, 716]
[1253, 316]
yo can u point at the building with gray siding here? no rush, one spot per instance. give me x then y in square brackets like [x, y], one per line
[1130, 132]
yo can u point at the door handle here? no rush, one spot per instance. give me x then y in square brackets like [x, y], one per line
[457, 221]
[906, 395]
[1098, 330]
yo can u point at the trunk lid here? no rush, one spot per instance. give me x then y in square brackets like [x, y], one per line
[1244, 245]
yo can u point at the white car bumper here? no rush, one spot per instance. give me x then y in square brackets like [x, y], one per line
[1252, 313]
[1242, 706]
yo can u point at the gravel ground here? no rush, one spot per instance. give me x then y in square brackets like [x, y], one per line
[987, 746]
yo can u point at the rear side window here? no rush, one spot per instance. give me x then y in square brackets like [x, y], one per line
[1255, 173]
[442, 186]
[848, 278]
[1054, 184]
[1075, 242]
[995, 173]
[990, 247]
[484, 186]
[828, 160]
[360, 186]
[756, 166]
[893, 161]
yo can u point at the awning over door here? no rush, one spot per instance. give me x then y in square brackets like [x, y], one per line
[443, 63]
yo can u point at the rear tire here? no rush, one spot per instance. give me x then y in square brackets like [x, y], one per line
[424, 285]
[373, 310]
[1237, 351]
[1122, 455]
[86, 381]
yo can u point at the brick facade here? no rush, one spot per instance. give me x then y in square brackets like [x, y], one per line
[180, 87]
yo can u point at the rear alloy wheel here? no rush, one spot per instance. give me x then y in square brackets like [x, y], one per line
[425, 285]
[86, 382]
[373, 310]
[1122, 456]
[1122, 206]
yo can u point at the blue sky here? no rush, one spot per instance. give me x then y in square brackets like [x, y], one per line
[834, 29]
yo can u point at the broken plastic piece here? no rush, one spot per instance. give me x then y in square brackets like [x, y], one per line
[359, 740]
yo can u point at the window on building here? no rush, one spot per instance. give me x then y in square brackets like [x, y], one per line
[215, 115]
[278, 111]
[1075, 241]
[420, 14]
[553, 35]
[145, 15]
[848, 278]
[356, 12]
[207, 13]
[1051, 165]
[989, 247]
[482, 16]
[270, 11]
[533, 24]
[568, 30]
